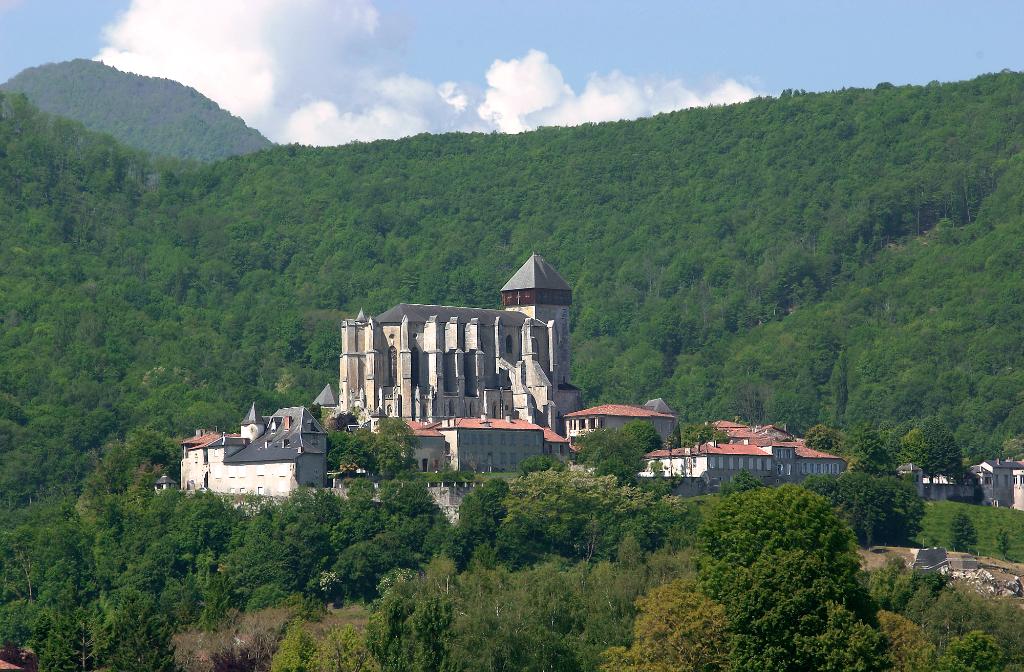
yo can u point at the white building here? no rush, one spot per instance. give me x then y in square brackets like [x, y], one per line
[771, 454]
[269, 456]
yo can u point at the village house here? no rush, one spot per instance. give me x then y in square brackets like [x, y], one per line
[614, 416]
[769, 453]
[269, 456]
[1001, 482]
[483, 444]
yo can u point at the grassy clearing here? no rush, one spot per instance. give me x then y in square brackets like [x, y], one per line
[987, 521]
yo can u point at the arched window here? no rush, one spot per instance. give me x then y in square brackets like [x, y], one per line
[508, 344]
[470, 374]
[450, 383]
[415, 367]
[392, 366]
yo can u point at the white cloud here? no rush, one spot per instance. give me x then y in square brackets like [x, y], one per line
[326, 72]
[530, 92]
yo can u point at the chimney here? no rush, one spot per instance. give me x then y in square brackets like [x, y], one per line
[483, 416]
[199, 432]
[508, 418]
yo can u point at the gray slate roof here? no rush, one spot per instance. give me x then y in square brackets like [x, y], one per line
[270, 446]
[166, 480]
[417, 312]
[327, 397]
[660, 406]
[536, 273]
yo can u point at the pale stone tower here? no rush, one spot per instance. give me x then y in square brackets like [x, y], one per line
[539, 291]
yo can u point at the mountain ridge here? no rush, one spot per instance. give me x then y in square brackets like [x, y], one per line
[155, 114]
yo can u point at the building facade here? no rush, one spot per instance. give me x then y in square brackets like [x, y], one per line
[1001, 482]
[427, 362]
[768, 453]
[614, 416]
[486, 444]
[269, 456]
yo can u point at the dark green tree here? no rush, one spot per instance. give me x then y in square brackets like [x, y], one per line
[394, 447]
[616, 452]
[742, 482]
[974, 652]
[139, 636]
[879, 509]
[962, 534]
[941, 455]
[785, 568]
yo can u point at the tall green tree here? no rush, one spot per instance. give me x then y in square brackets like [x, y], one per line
[962, 534]
[785, 568]
[941, 455]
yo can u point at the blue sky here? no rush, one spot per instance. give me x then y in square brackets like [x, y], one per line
[330, 71]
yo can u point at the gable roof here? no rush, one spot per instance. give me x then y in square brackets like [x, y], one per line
[536, 273]
[418, 312]
[622, 410]
[326, 397]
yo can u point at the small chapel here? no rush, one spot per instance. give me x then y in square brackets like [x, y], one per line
[428, 363]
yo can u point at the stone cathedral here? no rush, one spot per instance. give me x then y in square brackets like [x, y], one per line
[428, 363]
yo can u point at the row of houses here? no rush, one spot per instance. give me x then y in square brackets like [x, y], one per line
[274, 455]
[772, 454]
[998, 483]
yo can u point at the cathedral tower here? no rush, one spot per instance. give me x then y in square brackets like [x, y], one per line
[539, 291]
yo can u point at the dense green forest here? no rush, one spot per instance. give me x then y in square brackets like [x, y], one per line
[839, 257]
[845, 257]
[151, 113]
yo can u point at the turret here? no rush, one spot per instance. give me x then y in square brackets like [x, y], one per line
[253, 425]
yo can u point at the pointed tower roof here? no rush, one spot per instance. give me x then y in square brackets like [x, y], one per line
[536, 273]
[660, 406]
[253, 418]
[361, 317]
[327, 398]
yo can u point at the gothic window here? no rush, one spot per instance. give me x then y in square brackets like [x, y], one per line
[470, 375]
[508, 344]
[415, 367]
[449, 372]
[392, 366]
[536, 348]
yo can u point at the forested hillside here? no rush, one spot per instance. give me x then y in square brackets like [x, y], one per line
[151, 113]
[849, 256]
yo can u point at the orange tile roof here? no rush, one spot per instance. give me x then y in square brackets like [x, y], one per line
[4, 665]
[728, 424]
[623, 410]
[423, 428]
[803, 451]
[194, 442]
[489, 423]
[551, 436]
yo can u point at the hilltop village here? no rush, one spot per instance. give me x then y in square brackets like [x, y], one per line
[482, 390]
